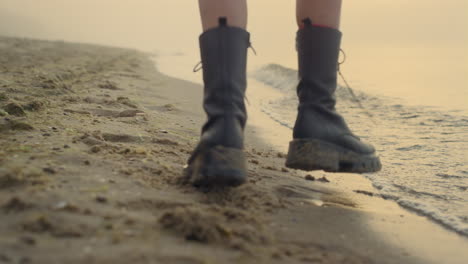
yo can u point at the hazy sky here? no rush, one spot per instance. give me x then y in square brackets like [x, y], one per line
[402, 46]
[129, 22]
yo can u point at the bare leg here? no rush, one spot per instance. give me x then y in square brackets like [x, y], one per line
[321, 12]
[234, 10]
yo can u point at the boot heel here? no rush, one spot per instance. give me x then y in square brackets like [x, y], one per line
[217, 166]
[313, 154]
[310, 154]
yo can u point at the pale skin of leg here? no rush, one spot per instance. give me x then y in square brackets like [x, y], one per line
[321, 12]
[234, 10]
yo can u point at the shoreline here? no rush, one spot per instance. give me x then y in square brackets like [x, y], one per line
[128, 130]
[263, 130]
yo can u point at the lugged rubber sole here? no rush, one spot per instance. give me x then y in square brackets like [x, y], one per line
[217, 166]
[313, 154]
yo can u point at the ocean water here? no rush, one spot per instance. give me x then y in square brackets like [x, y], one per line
[423, 148]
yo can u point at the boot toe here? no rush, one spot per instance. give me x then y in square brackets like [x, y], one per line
[217, 166]
[355, 144]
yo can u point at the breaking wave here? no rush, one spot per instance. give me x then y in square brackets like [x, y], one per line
[423, 150]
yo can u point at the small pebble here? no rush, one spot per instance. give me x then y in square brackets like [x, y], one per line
[95, 149]
[101, 199]
[129, 222]
[323, 179]
[87, 211]
[28, 240]
[24, 260]
[309, 177]
[49, 170]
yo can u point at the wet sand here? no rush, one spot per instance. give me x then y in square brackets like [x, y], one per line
[93, 143]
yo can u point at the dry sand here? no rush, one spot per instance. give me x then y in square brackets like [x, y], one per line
[93, 143]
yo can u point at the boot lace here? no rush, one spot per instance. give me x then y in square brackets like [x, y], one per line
[199, 66]
[355, 99]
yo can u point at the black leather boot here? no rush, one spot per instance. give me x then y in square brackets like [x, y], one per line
[321, 137]
[219, 160]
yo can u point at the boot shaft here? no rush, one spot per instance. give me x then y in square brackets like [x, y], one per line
[318, 50]
[224, 58]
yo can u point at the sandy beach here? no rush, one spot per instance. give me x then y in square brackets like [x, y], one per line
[93, 144]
